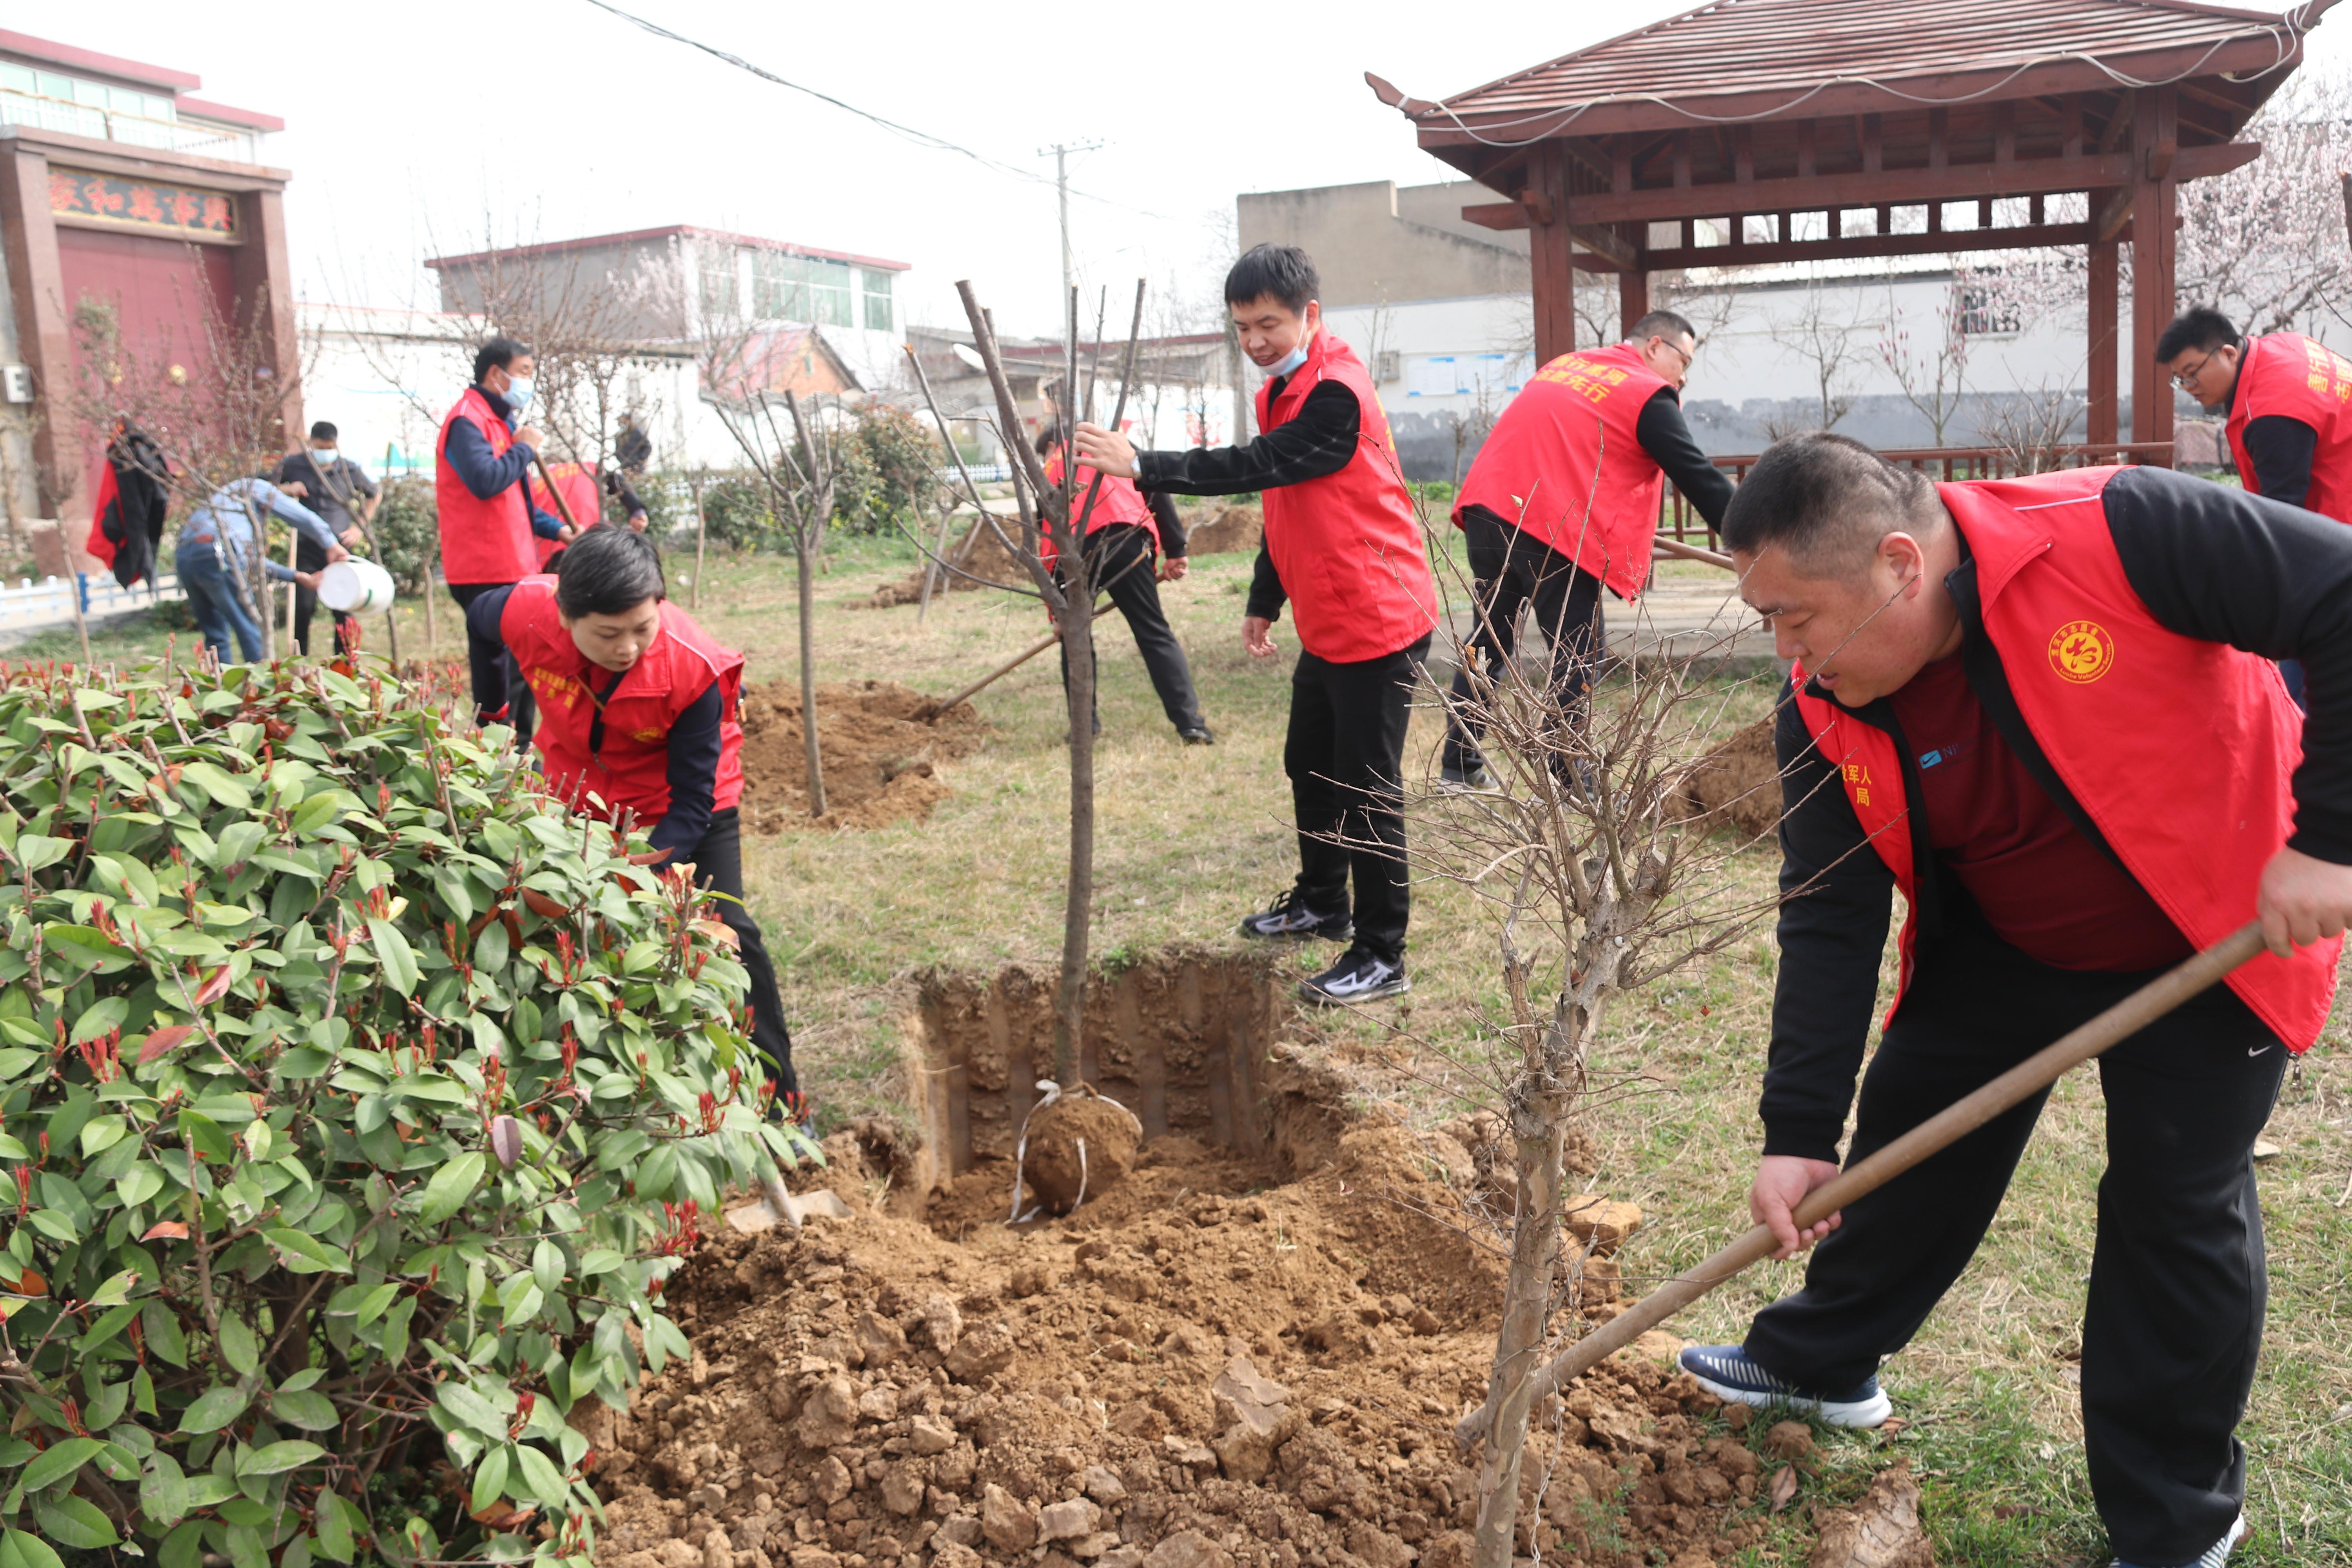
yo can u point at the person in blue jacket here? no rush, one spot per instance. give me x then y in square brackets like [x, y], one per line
[214, 557]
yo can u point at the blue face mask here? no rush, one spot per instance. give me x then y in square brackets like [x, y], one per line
[1289, 361]
[518, 392]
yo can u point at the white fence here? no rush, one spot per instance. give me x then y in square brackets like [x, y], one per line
[30, 605]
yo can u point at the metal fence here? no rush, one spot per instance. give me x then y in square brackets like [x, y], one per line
[1945, 463]
[31, 606]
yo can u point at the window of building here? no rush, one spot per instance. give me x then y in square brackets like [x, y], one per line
[720, 298]
[1983, 314]
[877, 301]
[788, 288]
[53, 101]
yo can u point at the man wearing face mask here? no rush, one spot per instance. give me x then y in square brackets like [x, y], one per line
[1562, 500]
[487, 520]
[1343, 547]
[322, 478]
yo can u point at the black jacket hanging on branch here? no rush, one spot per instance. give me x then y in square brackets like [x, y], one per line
[127, 526]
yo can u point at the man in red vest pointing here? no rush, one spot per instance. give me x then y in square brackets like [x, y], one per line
[1343, 547]
[1562, 500]
[2045, 709]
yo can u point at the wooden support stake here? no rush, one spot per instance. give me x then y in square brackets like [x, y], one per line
[2029, 1078]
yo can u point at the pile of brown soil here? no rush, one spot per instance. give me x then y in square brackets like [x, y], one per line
[1737, 786]
[1199, 1369]
[984, 556]
[880, 758]
[1220, 529]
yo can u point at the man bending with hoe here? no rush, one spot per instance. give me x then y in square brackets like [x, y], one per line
[2044, 709]
[1343, 546]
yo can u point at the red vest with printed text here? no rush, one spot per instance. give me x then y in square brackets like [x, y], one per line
[481, 541]
[1565, 465]
[1346, 546]
[577, 484]
[2288, 375]
[630, 768]
[1118, 500]
[2180, 751]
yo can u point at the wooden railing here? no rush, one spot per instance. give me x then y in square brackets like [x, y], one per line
[1679, 522]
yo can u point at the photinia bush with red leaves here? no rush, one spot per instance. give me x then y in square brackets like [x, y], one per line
[355, 1098]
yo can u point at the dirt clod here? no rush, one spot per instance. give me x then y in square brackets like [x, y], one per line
[880, 759]
[1790, 1440]
[1882, 1531]
[1080, 1146]
[1736, 786]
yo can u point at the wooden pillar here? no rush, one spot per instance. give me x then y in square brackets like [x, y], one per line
[1632, 292]
[2156, 141]
[2105, 263]
[1546, 199]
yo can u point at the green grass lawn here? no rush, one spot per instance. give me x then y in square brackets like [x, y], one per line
[1190, 838]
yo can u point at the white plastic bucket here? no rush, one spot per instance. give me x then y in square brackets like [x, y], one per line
[355, 587]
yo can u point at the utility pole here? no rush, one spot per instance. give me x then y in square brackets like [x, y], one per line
[1061, 151]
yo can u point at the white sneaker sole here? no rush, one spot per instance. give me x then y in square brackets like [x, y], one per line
[1397, 987]
[1858, 1412]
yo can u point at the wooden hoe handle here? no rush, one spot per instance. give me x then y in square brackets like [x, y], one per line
[2029, 1077]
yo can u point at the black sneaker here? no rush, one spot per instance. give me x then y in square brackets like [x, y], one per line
[1472, 780]
[1198, 735]
[1359, 976]
[1289, 918]
[1726, 1372]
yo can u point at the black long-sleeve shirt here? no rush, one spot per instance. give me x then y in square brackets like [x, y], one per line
[1665, 435]
[2280, 448]
[2209, 562]
[694, 737]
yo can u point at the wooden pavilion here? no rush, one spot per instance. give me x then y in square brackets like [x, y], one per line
[1812, 120]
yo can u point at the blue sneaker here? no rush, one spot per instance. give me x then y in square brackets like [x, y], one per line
[2215, 1554]
[1726, 1372]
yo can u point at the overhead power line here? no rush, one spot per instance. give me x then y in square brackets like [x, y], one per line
[919, 138]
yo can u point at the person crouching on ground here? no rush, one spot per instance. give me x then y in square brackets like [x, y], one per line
[1343, 546]
[1124, 531]
[637, 707]
[2043, 709]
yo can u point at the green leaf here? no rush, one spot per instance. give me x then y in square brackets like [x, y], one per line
[184, 1547]
[71, 1522]
[302, 1254]
[35, 851]
[371, 1305]
[277, 1459]
[245, 1547]
[540, 1474]
[238, 1345]
[392, 952]
[215, 1408]
[32, 1551]
[139, 1183]
[333, 1527]
[224, 787]
[59, 1463]
[489, 1480]
[164, 1491]
[451, 1186]
[106, 1013]
[310, 1412]
[472, 1409]
[116, 1289]
[311, 815]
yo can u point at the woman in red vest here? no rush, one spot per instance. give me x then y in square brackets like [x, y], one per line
[637, 713]
[1343, 547]
[2043, 709]
[1124, 531]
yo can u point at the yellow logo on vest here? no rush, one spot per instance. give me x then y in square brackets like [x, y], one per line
[2082, 651]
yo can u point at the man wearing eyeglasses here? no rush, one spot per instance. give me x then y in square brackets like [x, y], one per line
[2285, 398]
[1562, 500]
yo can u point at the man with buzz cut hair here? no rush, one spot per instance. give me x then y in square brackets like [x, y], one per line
[2044, 708]
[1343, 546]
[1563, 500]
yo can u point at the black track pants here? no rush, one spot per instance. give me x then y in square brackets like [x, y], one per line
[1344, 756]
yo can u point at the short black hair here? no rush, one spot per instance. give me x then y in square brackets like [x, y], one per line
[609, 570]
[1283, 272]
[2198, 327]
[1663, 324]
[499, 353]
[1049, 435]
[322, 431]
[1827, 500]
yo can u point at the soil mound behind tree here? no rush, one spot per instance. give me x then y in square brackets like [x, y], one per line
[974, 554]
[1223, 529]
[1737, 786]
[880, 758]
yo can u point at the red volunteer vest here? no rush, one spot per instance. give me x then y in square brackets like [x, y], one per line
[2289, 374]
[481, 541]
[632, 768]
[1565, 465]
[1116, 502]
[1346, 546]
[2193, 814]
[580, 492]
